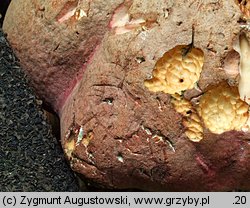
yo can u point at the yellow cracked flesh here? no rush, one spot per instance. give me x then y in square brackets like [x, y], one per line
[175, 72]
[245, 8]
[76, 13]
[122, 21]
[244, 87]
[87, 139]
[71, 144]
[181, 105]
[194, 128]
[69, 147]
[191, 120]
[222, 109]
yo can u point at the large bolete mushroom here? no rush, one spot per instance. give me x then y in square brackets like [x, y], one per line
[147, 91]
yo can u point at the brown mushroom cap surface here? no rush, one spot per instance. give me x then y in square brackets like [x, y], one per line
[115, 131]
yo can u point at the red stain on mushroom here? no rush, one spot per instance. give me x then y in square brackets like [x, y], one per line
[204, 165]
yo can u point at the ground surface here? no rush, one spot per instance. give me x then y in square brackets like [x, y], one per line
[31, 159]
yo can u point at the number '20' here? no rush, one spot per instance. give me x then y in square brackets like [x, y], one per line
[240, 200]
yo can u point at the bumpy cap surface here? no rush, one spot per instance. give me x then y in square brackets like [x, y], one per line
[178, 70]
[222, 109]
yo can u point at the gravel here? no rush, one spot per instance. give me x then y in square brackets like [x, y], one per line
[31, 159]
